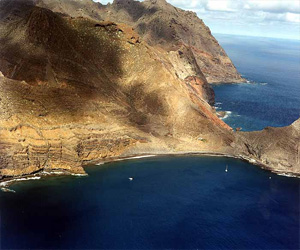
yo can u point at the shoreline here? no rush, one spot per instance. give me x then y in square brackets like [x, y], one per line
[212, 154]
[7, 182]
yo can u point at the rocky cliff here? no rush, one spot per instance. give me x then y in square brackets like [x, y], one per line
[180, 33]
[177, 32]
[277, 149]
[77, 90]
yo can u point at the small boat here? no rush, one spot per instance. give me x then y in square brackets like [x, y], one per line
[131, 178]
[226, 169]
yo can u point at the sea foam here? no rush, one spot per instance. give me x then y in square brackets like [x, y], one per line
[7, 183]
[228, 113]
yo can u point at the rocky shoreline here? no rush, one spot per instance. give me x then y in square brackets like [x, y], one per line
[239, 157]
[7, 182]
[103, 90]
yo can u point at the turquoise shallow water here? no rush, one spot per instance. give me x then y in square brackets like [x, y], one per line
[273, 96]
[173, 202]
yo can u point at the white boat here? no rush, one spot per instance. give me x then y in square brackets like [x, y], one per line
[130, 178]
[226, 170]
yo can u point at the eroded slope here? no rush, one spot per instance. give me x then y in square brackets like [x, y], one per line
[76, 90]
[276, 148]
[182, 34]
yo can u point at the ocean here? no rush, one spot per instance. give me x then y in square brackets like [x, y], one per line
[172, 203]
[183, 202]
[272, 96]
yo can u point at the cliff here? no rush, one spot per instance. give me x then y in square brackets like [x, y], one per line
[277, 149]
[177, 32]
[180, 33]
[76, 90]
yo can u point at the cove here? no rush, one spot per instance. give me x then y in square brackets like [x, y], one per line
[182, 202]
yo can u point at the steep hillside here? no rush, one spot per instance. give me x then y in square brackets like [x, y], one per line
[181, 33]
[277, 149]
[75, 90]
[74, 8]
[178, 32]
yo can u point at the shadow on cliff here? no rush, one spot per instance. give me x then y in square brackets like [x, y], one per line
[71, 66]
[68, 62]
[135, 9]
[158, 31]
[147, 110]
[157, 28]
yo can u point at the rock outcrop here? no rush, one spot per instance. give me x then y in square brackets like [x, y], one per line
[277, 149]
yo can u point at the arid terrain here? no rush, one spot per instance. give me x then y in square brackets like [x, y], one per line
[82, 82]
[186, 39]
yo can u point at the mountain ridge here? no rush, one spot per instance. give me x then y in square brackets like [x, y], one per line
[69, 83]
[77, 90]
[163, 25]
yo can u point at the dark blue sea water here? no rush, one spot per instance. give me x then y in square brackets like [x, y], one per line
[172, 203]
[273, 68]
[177, 202]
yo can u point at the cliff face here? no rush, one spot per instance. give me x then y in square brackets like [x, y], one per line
[179, 31]
[74, 8]
[160, 24]
[76, 90]
[278, 149]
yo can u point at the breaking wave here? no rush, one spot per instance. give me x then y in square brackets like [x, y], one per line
[227, 114]
[5, 184]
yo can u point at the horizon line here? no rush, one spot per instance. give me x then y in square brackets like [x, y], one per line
[283, 38]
